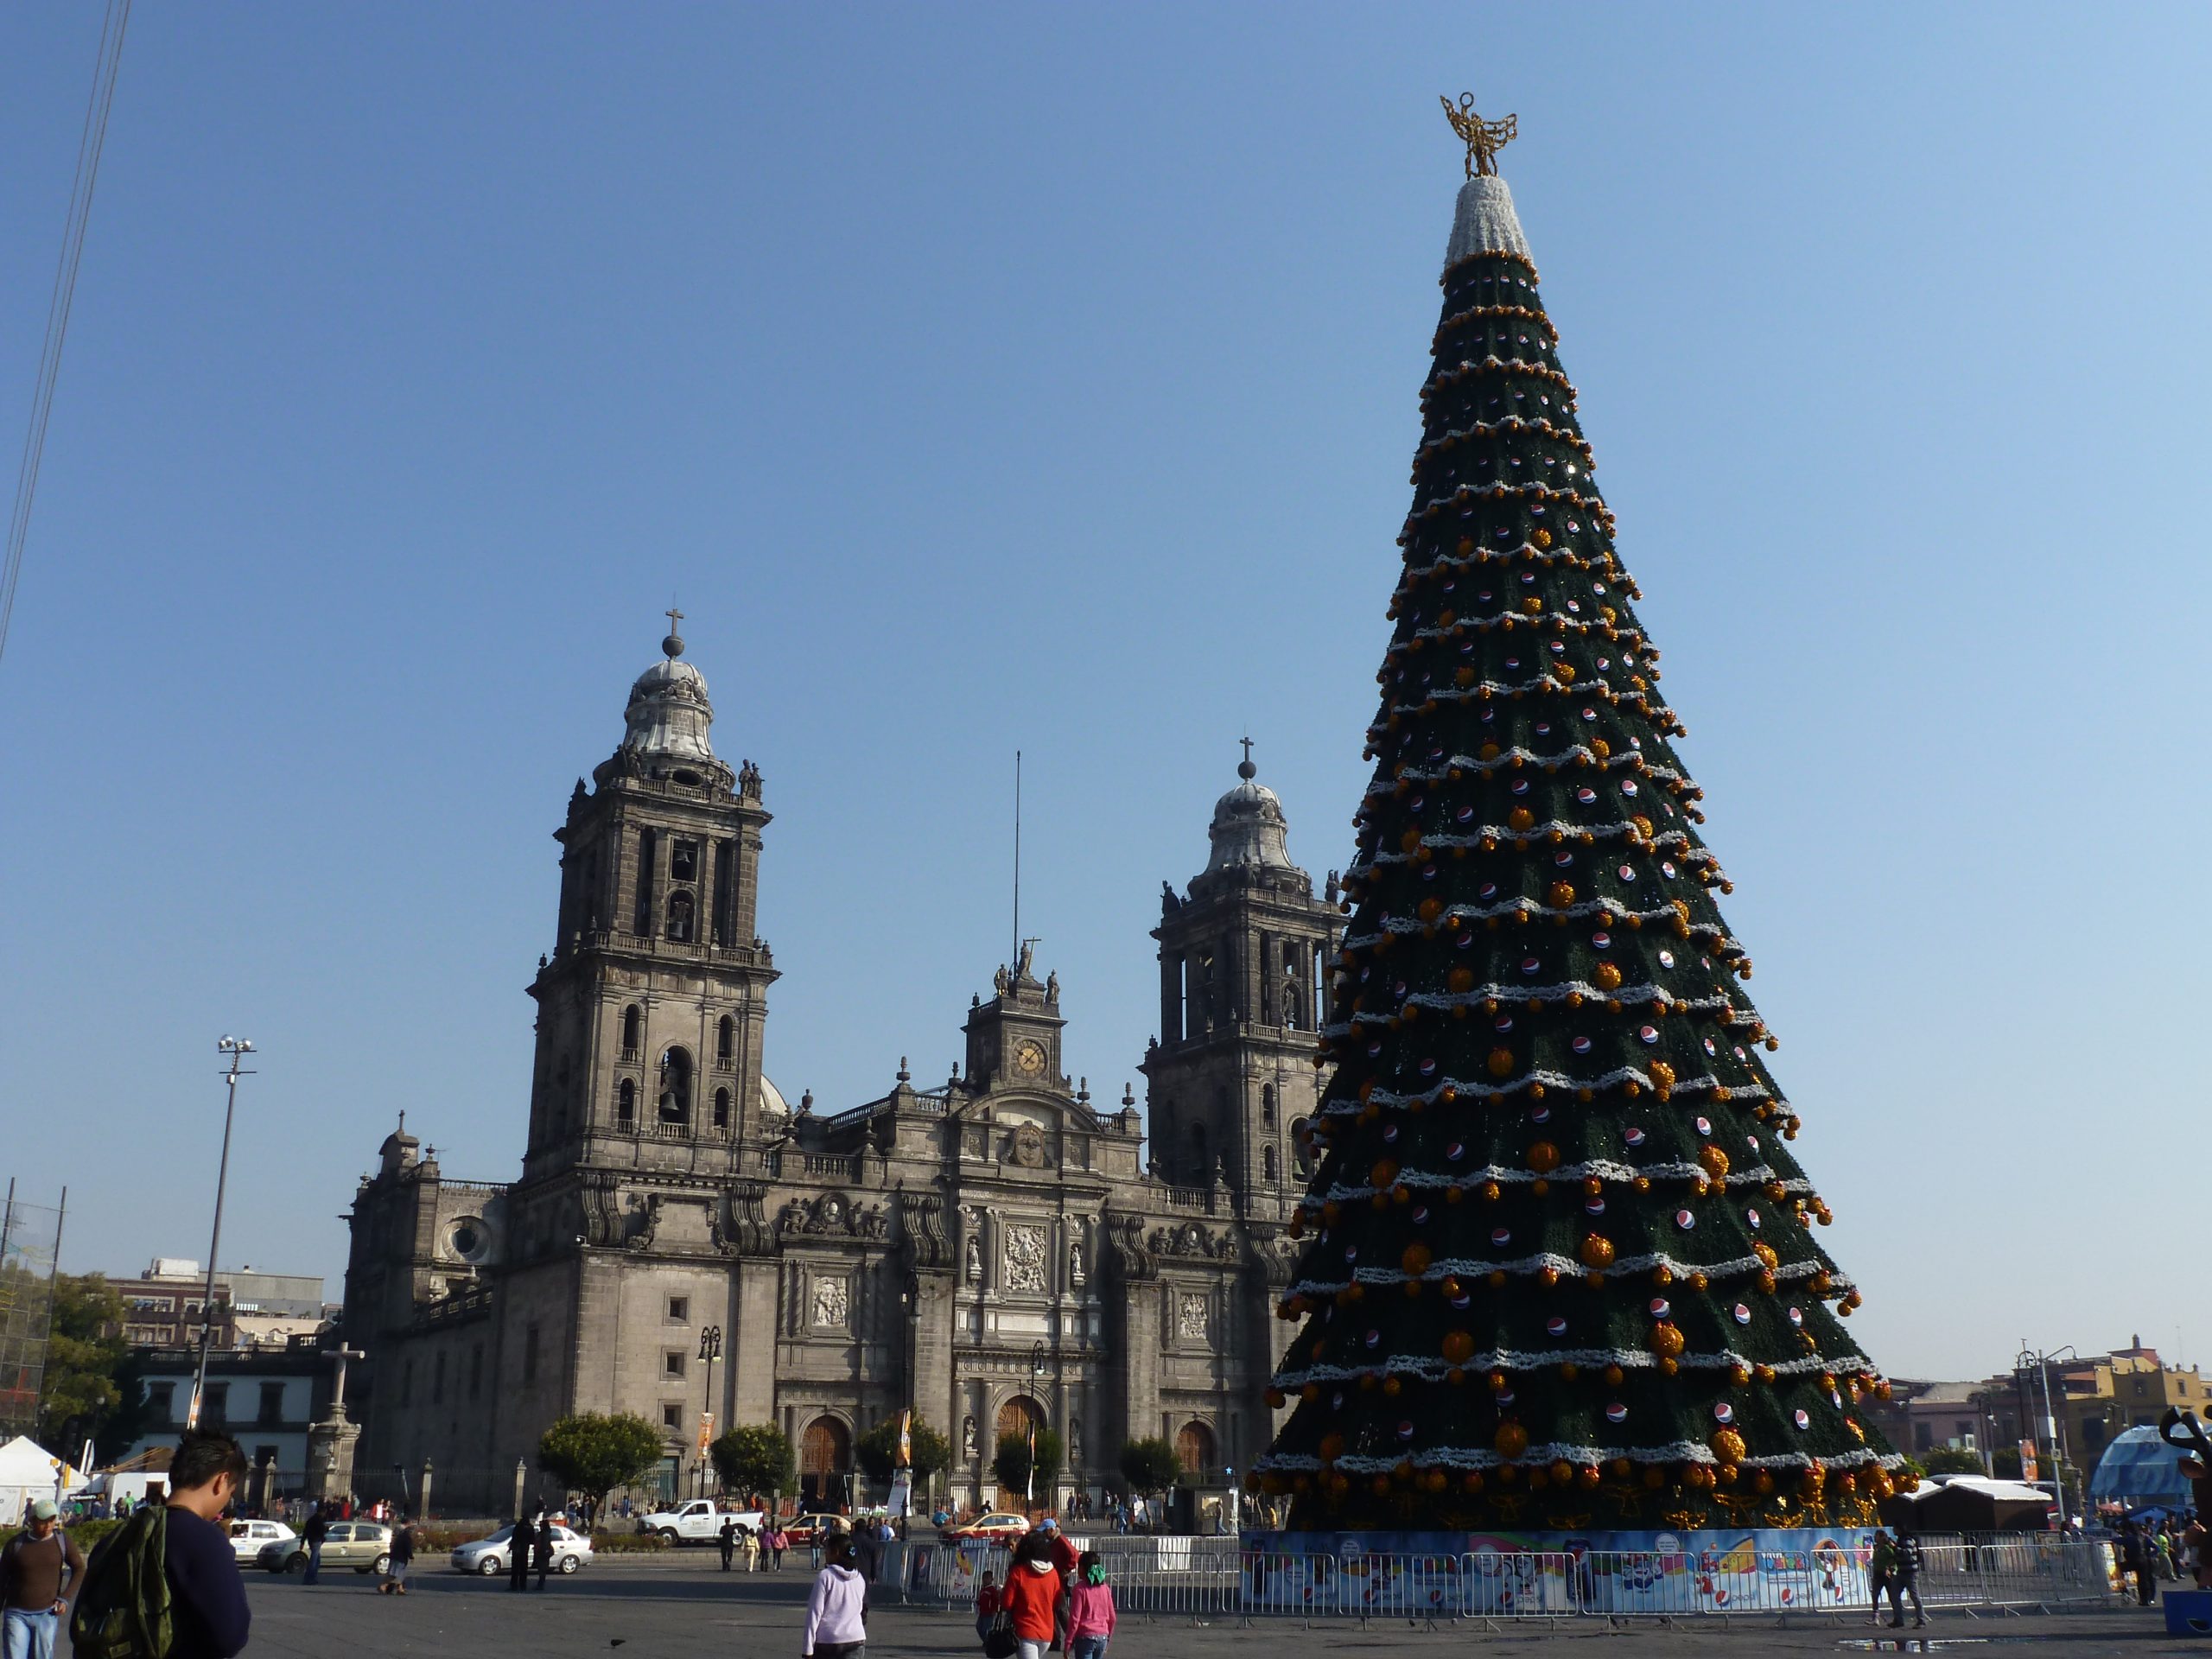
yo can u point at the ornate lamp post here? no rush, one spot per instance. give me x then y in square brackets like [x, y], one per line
[710, 1349]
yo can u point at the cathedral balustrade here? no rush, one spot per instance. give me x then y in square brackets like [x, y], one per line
[1191, 1197]
[840, 1167]
[670, 1131]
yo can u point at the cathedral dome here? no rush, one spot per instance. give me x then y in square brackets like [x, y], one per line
[669, 714]
[1249, 831]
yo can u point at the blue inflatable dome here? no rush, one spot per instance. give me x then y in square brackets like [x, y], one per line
[2138, 1468]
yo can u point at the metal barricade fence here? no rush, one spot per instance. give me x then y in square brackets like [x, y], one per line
[1203, 1578]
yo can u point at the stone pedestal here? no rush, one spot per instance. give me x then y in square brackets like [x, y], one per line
[330, 1457]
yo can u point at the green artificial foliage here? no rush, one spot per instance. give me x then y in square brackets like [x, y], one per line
[592, 1454]
[877, 1451]
[1011, 1463]
[1150, 1466]
[1558, 1269]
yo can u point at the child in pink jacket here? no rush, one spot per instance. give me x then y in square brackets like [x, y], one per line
[1090, 1609]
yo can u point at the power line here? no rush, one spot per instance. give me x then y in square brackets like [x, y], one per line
[89, 145]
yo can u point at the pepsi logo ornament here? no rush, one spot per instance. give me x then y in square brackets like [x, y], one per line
[1685, 1220]
[1594, 1206]
[1724, 1413]
[1743, 1313]
[1705, 1126]
[1616, 1414]
[1603, 940]
[1803, 1418]
[1633, 1135]
[1648, 1035]
[1500, 1237]
[1752, 1216]
[1797, 1317]
[1580, 1045]
[1661, 1307]
[1455, 1152]
[1373, 1339]
[1405, 1429]
[1555, 1326]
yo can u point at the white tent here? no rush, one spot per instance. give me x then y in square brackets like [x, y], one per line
[28, 1472]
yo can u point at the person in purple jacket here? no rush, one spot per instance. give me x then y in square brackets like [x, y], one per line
[207, 1595]
[836, 1612]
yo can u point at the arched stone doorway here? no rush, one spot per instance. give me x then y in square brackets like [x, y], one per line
[1017, 1417]
[825, 1462]
[1194, 1447]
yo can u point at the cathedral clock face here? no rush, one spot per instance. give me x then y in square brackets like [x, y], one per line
[1029, 1059]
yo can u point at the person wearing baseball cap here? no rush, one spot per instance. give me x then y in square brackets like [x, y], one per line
[40, 1571]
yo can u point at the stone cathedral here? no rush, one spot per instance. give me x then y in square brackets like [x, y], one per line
[995, 1251]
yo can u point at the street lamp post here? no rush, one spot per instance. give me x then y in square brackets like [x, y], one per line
[238, 1048]
[710, 1349]
[1036, 1386]
[2051, 1434]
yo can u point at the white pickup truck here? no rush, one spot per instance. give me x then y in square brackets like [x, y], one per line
[699, 1521]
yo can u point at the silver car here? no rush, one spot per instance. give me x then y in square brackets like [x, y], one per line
[490, 1557]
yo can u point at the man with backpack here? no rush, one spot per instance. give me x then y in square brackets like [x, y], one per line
[166, 1583]
[33, 1569]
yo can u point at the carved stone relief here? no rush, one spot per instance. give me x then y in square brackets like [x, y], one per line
[1192, 1315]
[1024, 1258]
[832, 1303]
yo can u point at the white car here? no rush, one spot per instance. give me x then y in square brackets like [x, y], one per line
[699, 1521]
[491, 1557]
[248, 1538]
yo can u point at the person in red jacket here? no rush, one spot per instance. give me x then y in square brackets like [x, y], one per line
[1031, 1595]
[1064, 1558]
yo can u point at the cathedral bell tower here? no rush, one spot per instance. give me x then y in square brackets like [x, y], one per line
[653, 1006]
[1243, 959]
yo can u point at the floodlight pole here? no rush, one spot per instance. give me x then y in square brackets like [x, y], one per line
[238, 1048]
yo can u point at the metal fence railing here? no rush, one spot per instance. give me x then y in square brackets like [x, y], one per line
[1201, 1578]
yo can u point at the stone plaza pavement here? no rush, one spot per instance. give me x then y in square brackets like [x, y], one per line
[678, 1609]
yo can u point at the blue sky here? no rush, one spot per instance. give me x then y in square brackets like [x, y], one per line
[986, 379]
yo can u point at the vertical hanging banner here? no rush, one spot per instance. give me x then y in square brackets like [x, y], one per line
[706, 1431]
[906, 1439]
[2027, 1464]
[902, 1493]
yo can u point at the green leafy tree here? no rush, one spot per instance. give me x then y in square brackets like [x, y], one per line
[91, 1389]
[1949, 1460]
[1012, 1463]
[877, 1451]
[755, 1458]
[593, 1455]
[1556, 1236]
[1150, 1466]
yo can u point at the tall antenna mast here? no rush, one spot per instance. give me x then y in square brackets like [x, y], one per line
[1016, 957]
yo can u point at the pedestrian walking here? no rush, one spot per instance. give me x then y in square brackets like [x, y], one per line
[1904, 1581]
[1881, 1563]
[41, 1571]
[726, 1540]
[1090, 1609]
[1031, 1595]
[317, 1530]
[402, 1557]
[520, 1539]
[987, 1606]
[779, 1541]
[837, 1609]
[752, 1540]
[542, 1545]
[2135, 1558]
[1065, 1559]
[207, 1610]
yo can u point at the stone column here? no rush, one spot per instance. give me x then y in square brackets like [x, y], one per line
[425, 1500]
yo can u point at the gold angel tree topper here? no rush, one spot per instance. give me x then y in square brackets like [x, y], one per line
[1484, 138]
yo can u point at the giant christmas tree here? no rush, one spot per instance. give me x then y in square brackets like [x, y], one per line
[1561, 1272]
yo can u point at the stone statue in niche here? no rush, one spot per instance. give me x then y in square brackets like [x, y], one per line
[1075, 1442]
[968, 1436]
[974, 1255]
[1075, 1261]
